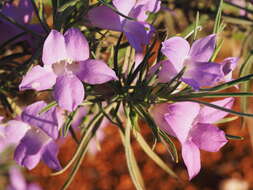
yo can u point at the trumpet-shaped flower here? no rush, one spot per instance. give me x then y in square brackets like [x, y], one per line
[137, 32]
[199, 71]
[66, 63]
[193, 126]
[37, 138]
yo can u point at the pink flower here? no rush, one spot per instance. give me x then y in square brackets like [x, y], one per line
[193, 126]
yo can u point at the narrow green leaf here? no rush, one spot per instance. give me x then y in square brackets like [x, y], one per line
[211, 95]
[131, 161]
[226, 120]
[218, 18]
[48, 107]
[144, 145]
[196, 26]
[67, 5]
[233, 137]
[172, 148]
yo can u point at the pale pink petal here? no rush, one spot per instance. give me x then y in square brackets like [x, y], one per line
[77, 46]
[17, 180]
[176, 49]
[191, 157]
[180, 117]
[38, 78]
[95, 72]
[208, 137]
[54, 49]
[68, 92]
[124, 6]
[212, 115]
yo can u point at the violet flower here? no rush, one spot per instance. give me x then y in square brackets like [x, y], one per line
[138, 32]
[38, 142]
[193, 126]
[17, 181]
[199, 72]
[66, 63]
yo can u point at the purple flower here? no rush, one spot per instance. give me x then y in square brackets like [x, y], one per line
[137, 32]
[66, 64]
[199, 72]
[22, 13]
[193, 126]
[38, 142]
[17, 181]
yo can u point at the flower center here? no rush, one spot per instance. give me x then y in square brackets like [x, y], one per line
[65, 67]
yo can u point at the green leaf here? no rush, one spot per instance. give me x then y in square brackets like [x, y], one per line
[67, 123]
[172, 148]
[146, 116]
[48, 107]
[67, 5]
[130, 158]
[226, 120]
[196, 26]
[210, 95]
[144, 145]
[233, 137]
[218, 18]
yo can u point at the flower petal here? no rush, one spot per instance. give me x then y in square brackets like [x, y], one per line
[95, 72]
[14, 131]
[203, 48]
[46, 121]
[38, 78]
[124, 6]
[191, 157]
[167, 71]
[143, 7]
[68, 92]
[208, 137]
[176, 49]
[212, 115]
[228, 65]
[202, 74]
[54, 49]
[176, 119]
[33, 186]
[27, 155]
[180, 118]
[17, 180]
[136, 34]
[105, 18]
[49, 156]
[77, 46]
